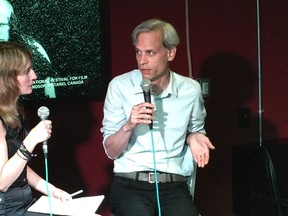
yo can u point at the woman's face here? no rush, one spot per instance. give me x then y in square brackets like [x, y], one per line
[25, 79]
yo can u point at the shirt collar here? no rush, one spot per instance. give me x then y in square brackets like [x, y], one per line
[136, 82]
[170, 90]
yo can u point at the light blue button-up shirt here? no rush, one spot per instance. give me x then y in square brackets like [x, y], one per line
[178, 110]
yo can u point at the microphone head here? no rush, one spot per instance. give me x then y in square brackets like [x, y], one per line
[146, 85]
[43, 112]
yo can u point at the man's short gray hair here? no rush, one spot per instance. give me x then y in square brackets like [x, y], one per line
[170, 36]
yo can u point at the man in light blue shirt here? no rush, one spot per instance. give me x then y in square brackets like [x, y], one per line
[163, 155]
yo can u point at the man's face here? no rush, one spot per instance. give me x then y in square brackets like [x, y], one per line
[152, 57]
[5, 14]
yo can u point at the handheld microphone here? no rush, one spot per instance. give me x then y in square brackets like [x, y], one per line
[43, 113]
[146, 87]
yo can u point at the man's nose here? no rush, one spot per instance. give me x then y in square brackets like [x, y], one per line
[143, 59]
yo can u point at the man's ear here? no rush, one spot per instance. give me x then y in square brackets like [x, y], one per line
[172, 54]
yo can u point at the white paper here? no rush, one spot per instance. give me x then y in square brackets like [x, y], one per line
[84, 206]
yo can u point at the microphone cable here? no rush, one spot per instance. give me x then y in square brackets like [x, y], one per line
[43, 113]
[47, 184]
[155, 173]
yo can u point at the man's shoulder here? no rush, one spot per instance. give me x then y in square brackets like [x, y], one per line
[129, 79]
[128, 76]
[187, 81]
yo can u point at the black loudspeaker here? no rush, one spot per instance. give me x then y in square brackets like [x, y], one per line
[260, 179]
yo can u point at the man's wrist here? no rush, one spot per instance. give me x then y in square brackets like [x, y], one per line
[192, 134]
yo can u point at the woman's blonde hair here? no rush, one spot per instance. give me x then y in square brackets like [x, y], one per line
[13, 59]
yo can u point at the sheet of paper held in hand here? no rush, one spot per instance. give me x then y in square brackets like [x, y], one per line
[83, 206]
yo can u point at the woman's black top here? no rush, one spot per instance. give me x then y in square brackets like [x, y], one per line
[18, 197]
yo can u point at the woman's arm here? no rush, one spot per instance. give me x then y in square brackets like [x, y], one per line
[9, 169]
[39, 184]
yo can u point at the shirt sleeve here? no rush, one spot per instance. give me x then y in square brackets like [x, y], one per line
[198, 112]
[114, 114]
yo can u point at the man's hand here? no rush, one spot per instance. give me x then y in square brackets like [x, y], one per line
[140, 114]
[200, 146]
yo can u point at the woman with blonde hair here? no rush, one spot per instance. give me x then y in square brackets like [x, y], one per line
[16, 142]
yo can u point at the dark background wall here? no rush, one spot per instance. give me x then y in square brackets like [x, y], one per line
[223, 37]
